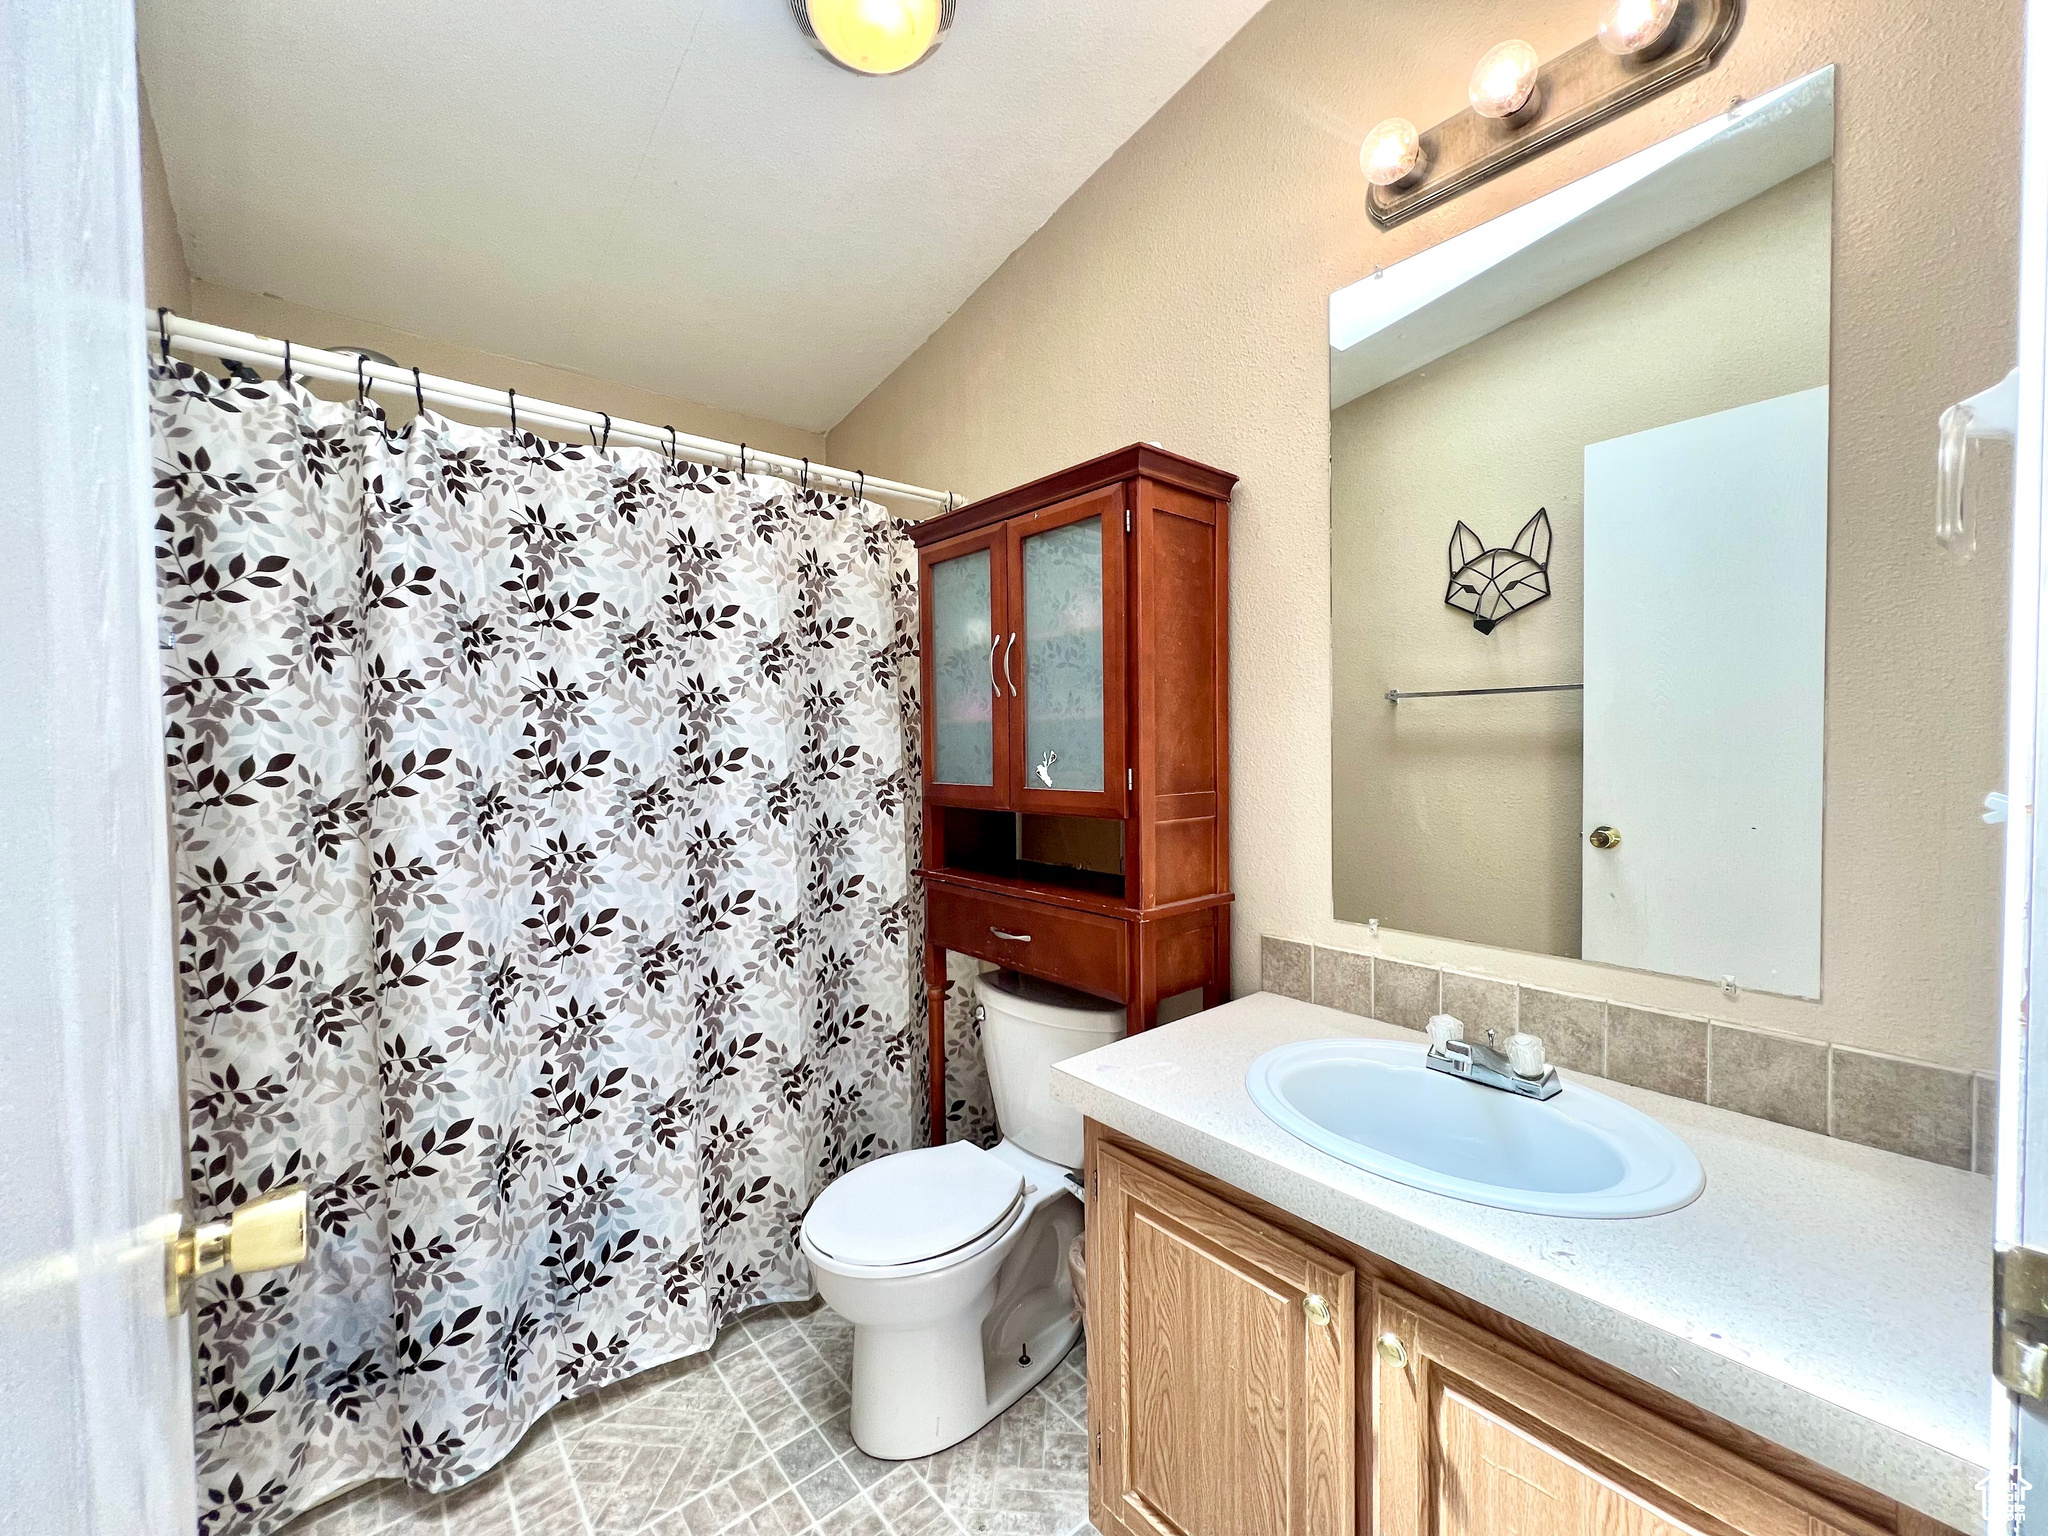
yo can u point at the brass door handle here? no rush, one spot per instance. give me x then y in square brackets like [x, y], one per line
[267, 1233]
[1605, 837]
[1317, 1309]
[1392, 1350]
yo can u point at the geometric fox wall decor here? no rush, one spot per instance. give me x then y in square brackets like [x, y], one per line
[1495, 584]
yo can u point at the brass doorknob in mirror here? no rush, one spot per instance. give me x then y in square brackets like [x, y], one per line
[266, 1233]
[1392, 1350]
[1318, 1310]
[1605, 837]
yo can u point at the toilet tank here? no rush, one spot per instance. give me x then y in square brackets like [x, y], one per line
[1026, 1026]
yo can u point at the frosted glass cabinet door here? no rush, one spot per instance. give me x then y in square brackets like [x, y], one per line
[962, 669]
[1064, 697]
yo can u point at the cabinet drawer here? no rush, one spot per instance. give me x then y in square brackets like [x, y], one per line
[1078, 948]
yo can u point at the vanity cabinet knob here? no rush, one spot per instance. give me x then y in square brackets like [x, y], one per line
[1605, 837]
[1393, 1351]
[1318, 1310]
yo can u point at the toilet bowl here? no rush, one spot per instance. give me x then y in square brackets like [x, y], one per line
[950, 1262]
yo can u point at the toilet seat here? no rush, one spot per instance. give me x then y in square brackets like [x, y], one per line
[915, 1208]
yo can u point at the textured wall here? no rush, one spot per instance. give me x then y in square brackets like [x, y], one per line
[1462, 818]
[168, 282]
[1179, 296]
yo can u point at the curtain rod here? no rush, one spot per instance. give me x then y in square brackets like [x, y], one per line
[342, 368]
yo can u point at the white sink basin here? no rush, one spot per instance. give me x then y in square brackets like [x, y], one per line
[1373, 1104]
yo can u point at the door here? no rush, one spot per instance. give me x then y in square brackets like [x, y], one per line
[969, 650]
[1474, 1437]
[1067, 613]
[1705, 670]
[2018, 1500]
[1220, 1366]
[95, 1422]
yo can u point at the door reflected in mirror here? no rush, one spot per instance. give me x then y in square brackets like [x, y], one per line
[1579, 501]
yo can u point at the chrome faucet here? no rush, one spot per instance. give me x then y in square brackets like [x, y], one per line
[1450, 1052]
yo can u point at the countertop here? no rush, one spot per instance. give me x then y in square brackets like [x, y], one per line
[1833, 1298]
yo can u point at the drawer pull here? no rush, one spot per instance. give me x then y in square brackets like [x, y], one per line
[1014, 938]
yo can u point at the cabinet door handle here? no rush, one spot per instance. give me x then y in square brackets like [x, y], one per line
[1318, 1310]
[994, 646]
[1006, 664]
[1014, 938]
[1393, 1351]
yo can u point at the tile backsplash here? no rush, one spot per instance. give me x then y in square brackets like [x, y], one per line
[1938, 1113]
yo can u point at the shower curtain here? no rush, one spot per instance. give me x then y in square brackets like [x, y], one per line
[543, 820]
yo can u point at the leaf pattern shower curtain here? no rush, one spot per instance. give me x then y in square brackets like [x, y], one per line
[543, 820]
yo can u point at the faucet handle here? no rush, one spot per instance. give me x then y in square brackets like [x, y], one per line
[1443, 1029]
[1525, 1055]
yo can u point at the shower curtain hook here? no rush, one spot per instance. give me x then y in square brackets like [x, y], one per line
[671, 447]
[163, 333]
[362, 384]
[860, 492]
[607, 445]
[807, 475]
[287, 379]
[743, 461]
[512, 400]
[419, 393]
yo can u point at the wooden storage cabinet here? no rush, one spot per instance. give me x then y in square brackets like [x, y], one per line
[1218, 1407]
[1473, 1436]
[1075, 644]
[1222, 1367]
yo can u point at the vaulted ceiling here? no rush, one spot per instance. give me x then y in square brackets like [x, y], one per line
[678, 194]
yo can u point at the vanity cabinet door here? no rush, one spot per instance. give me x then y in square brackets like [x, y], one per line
[1221, 1366]
[1474, 1437]
[964, 590]
[1067, 673]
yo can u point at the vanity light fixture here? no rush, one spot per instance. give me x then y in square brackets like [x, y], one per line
[1630, 29]
[1521, 106]
[1504, 80]
[874, 37]
[1392, 153]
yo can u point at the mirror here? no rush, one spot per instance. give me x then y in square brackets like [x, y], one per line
[1579, 500]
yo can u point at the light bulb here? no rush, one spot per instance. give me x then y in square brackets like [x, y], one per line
[1391, 152]
[1506, 76]
[875, 37]
[1634, 26]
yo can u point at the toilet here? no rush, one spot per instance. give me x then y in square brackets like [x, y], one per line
[951, 1261]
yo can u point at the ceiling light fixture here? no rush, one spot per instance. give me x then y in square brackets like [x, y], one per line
[874, 37]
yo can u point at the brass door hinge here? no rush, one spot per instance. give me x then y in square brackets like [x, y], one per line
[2019, 1341]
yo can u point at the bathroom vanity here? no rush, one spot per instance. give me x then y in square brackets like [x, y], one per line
[1075, 655]
[1281, 1342]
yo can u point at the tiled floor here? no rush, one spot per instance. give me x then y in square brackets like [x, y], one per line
[752, 1440]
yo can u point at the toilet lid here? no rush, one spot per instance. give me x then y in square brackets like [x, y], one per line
[912, 1206]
